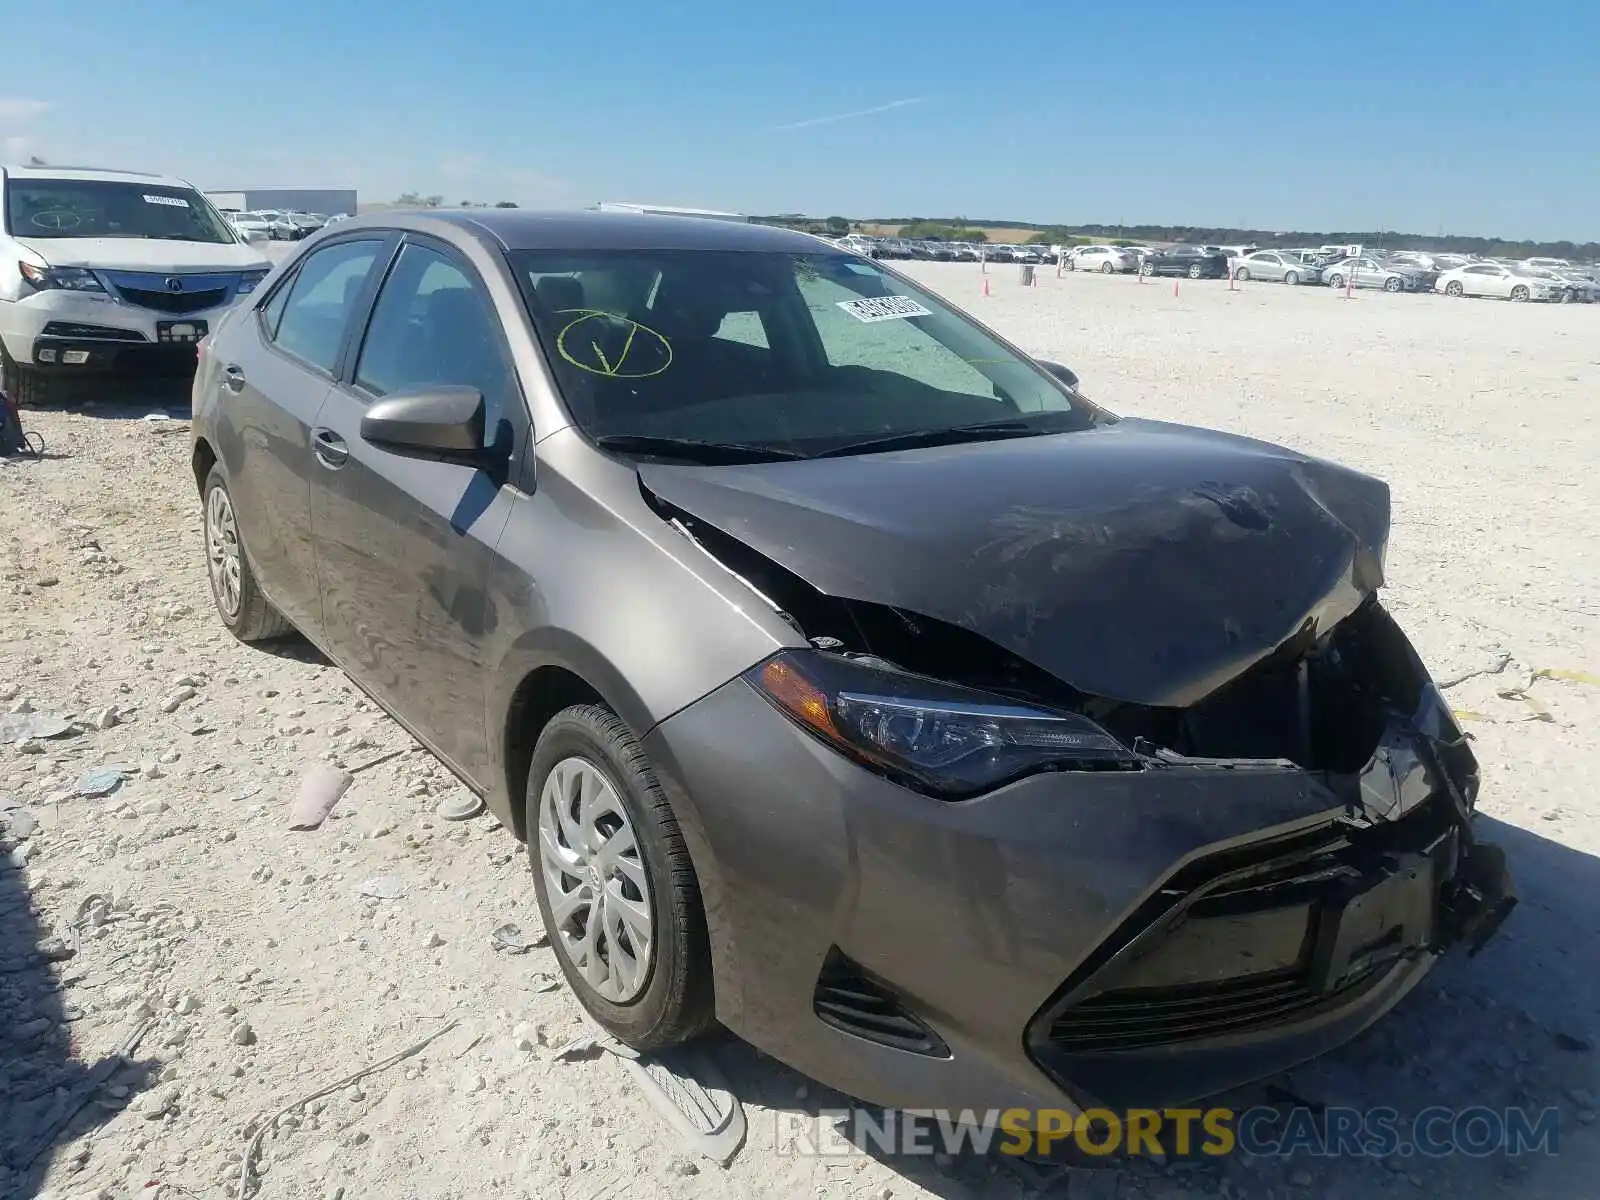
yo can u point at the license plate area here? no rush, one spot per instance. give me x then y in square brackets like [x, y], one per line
[180, 333]
[1374, 920]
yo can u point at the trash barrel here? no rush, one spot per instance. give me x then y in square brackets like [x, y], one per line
[1027, 274]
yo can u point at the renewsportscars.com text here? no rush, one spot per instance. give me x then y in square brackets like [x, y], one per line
[1183, 1132]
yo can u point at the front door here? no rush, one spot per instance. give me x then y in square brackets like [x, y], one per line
[404, 544]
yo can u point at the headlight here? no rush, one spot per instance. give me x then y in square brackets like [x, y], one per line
[250, 280]
[936, 737]
[67, 279]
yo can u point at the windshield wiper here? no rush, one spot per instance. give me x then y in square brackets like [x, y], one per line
[711, 453]
[948, 435]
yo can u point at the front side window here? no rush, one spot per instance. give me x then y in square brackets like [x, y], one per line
[434, 325]
[321, 301]
[800, 353]
[99, 208]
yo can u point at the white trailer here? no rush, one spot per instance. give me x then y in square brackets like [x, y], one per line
[668, 210]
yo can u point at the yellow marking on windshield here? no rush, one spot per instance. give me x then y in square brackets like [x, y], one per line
[635, 359]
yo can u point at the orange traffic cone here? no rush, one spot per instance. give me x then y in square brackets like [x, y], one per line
[986, 286]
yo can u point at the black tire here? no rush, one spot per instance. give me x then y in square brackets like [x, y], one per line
[1519, 294]
[1242, 274]
[27, 387]
[1106, 269]
[1070, 263]
[1336, 280]
[1291, 277]
[1393, 284]
[677, 1003]
[1455, 288]
[1147, 269]
[1196, 271]
[254, 619]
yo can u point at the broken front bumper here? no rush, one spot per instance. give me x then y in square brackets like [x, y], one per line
[1071, 939]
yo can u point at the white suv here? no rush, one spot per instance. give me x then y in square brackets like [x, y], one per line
[109, 271]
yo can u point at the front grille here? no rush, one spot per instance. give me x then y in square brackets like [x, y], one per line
[1233, 944]
[851, 1002]
[1142, 1018]
[174, 302]
[70, 329]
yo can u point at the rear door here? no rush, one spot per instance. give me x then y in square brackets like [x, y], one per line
[403, 544]
[275, 368]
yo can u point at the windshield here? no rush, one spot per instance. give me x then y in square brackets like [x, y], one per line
[804, 353]
[97, 208]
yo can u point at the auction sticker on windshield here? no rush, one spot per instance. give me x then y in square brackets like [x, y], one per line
[169, 201]
[884, 308]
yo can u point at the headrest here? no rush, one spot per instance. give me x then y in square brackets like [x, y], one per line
[560, 293]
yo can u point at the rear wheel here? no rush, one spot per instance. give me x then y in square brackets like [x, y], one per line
[1106, 268]
[240, 603]
[1336, 280]
[1147, 269]
[1454, 288]
[616, 889]
[1196, 271]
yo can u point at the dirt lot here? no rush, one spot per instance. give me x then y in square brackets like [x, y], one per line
[181, 906]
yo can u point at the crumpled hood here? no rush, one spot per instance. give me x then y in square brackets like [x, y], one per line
[1139, 561]
[145, 254]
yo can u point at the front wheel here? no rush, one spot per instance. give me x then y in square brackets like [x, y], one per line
[1519, 294]
[1242, 274]
[1291, 277]
[239, 600]
[1195, 271]
[616, 890]
[1071, 264]
[1147, 269]
[1393, 284]
[28, 387]
[1336, 280]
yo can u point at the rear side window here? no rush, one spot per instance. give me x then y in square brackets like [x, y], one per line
[318, 304]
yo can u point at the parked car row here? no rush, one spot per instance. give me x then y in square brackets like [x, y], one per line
[935, 250]
[279, 225]
[1333, 265]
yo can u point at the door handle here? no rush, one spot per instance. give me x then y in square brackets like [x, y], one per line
[330, 449]
[233, 377]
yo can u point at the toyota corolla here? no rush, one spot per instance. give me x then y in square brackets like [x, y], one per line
[854, 680]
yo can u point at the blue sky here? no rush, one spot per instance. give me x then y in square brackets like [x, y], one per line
[1476, 117]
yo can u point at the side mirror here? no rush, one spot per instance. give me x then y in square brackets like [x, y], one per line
[445, 424]
[1065, 374]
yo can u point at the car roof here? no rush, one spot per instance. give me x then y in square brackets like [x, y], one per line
[521, 229]
[93, 173]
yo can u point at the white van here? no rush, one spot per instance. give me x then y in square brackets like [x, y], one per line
[110, 272]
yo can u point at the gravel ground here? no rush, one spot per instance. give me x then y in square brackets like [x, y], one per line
[181, 907]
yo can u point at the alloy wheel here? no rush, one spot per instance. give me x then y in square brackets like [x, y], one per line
[222, 552]
[595, 880]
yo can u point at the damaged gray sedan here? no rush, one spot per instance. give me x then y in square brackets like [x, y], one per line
[854, 680]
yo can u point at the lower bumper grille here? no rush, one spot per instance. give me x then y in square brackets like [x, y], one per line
[1142, 1018]
[70, 329]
